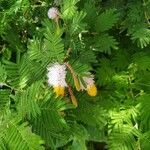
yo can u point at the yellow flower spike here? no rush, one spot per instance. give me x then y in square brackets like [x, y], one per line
[92, 90]
[59, 90]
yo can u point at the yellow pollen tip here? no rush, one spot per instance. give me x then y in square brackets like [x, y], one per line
[59, 90]
[92, 90]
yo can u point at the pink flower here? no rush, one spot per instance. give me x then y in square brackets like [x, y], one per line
[53, 13]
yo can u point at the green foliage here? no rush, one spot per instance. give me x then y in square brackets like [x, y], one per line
[3, 74]
[122, 131]
[104, 22]
[144, 109]
[69, 9]
[27, 101]
[19, 136]
[105, 43]
[77, 25]
[141, 35]
[105, 72]
[110, 39]
[17, 74]
[4, 102]
[141, 59]
[50, 49]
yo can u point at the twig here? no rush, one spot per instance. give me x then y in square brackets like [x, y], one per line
[67, 54]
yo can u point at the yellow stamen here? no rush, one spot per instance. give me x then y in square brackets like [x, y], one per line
[92, 90]
[59, 90]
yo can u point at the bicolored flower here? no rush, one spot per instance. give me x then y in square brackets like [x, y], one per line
[56, 78]
[90, 85]
[53, 13]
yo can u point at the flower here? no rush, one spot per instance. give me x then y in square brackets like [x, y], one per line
[56, 78]
[90, 85]
[53, 13]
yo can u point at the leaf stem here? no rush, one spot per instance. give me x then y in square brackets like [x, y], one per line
[18, 53]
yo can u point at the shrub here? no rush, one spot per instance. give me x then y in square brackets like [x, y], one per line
[74, 73]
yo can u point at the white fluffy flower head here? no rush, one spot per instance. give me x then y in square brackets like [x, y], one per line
[56, 75]
[53, 13]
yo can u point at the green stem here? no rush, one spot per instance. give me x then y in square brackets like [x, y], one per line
[18, 56]
[57, 26]
[130, 87]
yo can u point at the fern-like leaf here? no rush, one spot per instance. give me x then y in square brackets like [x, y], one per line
[142, 60]
[3, 74]
[144, 110]
[105, 72]
[69, 9]
[106, 20]
[50, 124]
[27, 101]
[105, 43]
[20, 137]
[141, 35]
[77, 25]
